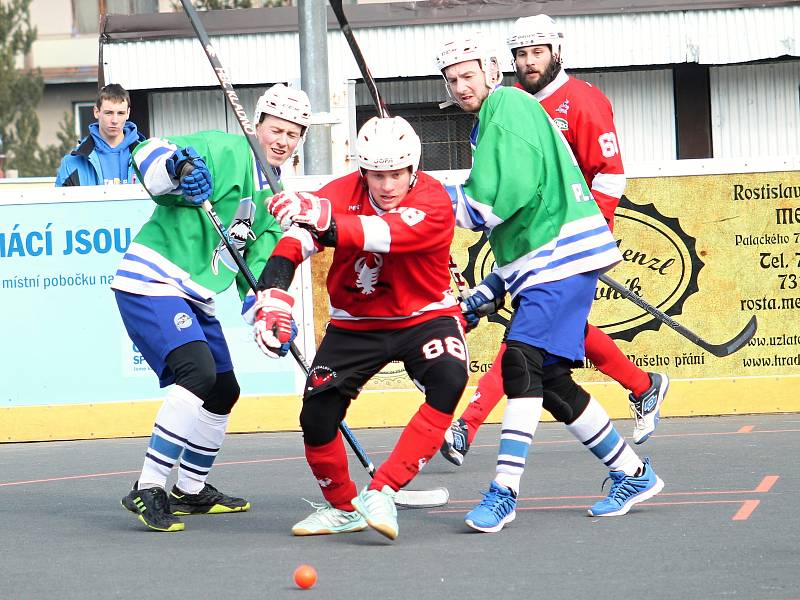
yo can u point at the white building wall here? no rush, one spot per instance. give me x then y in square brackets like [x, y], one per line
[644, 112]
[755, 110]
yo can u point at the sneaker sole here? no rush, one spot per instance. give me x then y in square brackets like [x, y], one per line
[646, 495]
[384, 529]
[304, 532]
[456, 459]
[171, 528]
[184, 510]
[506, 520]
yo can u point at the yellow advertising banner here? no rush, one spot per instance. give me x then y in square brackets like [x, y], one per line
[709, 251]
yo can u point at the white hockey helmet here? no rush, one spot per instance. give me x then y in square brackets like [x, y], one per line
[537, 30]
[386, 144]
[286, 103]
[470, 48]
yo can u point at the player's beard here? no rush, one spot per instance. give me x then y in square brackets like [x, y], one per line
[553, 67]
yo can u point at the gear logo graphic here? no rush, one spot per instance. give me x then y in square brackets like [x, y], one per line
[659, 263]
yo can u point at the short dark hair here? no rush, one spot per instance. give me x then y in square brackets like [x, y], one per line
[114, 92]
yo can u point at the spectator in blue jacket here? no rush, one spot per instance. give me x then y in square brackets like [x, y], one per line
[103, 156]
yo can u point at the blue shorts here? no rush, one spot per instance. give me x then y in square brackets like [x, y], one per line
[552, 316]
[159, 324]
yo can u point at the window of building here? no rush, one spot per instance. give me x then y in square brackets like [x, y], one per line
[84, 116]
[444, 133]
[86, 13]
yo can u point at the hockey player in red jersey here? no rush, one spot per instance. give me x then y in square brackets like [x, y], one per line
[585, 117]
[390, 227]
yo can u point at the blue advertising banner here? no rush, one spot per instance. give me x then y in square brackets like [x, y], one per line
[62, 340]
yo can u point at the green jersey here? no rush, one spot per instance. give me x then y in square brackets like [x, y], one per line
[526, 192]
[178, 251]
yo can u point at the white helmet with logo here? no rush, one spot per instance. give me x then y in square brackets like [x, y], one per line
[286, 103]
[386, 144]
[470, 48]
[538, 30]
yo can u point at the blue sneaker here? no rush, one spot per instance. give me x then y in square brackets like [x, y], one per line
[626, 491]
[495, 510]
[646, 409]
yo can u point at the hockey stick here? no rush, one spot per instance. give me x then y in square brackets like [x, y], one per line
[737, 343]
[424, 498]
[380, 105]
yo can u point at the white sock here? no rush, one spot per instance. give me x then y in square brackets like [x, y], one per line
[594, 429]
[174, 422]
[520, 420]
[201, 449]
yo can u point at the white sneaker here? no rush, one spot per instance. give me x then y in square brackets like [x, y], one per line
[327, 520]
[378, 508]
[646, 409]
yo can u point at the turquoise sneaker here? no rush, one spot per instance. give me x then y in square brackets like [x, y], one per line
[378, 508]
[626, 491]
[327, 520]
[497, 508]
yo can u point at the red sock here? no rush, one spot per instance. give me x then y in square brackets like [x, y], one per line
[420, 440]
[329, 465]
[489, 393]
[609, 359]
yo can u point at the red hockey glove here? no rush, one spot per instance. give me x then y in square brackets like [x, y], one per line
[300, 208]
[273, 325]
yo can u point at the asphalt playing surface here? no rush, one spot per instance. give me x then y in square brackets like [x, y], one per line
[725, 525]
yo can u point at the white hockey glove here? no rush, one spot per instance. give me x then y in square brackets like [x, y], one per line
[300, 208]
[484, 299]
[274, 329]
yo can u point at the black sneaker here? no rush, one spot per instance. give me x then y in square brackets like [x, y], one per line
[208, 501]
[152, 506]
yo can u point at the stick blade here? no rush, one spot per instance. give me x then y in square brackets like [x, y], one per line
[422, 498]
[737, 343]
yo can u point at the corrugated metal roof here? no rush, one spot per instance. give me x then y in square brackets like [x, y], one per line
[596, 41]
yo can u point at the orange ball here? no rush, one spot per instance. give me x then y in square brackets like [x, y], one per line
[305, 576]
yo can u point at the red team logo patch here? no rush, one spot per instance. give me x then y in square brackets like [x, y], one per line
[319, 376]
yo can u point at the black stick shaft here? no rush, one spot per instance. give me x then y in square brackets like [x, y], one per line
[739, 341]
[250, 133]
[369, 80]
[232, 97]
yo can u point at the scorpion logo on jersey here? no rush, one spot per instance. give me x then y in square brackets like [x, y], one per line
[563, 107]
[240, 231]
[367, 272]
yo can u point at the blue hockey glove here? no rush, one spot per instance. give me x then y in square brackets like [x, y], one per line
[484, 299]
[190, 170]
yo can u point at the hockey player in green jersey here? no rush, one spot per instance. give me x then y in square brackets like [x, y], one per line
[550, 243]
[165, 288]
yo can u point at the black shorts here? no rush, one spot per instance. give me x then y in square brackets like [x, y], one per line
[347, 359]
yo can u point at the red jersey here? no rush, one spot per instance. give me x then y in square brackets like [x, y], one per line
[390, 268]
[585, 117]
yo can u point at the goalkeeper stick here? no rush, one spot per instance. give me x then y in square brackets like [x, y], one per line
[421, 498]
